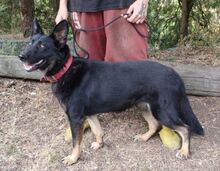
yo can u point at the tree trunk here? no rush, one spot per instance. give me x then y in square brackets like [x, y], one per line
[186, 9]
[27, 13]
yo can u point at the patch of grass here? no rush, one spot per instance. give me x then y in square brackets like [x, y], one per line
[10, 47]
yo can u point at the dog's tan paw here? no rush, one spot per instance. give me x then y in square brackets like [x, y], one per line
[71, 159]
[96, 145]
[181, 154]
[140, 137]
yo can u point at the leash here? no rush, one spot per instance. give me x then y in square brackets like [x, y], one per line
[97, 29]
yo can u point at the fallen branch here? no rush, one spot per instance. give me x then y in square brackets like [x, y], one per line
[199, 80]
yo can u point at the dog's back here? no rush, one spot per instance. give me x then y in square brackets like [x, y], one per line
[117, 86]
[131, 81]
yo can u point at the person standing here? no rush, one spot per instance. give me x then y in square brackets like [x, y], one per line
[116, 42]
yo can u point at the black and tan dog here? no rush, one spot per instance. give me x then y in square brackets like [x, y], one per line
[85, 88]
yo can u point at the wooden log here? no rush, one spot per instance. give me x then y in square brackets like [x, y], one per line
[199, 80]
[11, 66]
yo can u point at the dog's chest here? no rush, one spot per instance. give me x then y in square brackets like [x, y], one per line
[61, 94]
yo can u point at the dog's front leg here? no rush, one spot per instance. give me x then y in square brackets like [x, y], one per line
[76, 125]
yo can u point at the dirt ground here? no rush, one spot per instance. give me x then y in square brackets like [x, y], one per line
[32, 129]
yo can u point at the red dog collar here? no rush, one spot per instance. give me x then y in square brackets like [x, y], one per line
[59, 74]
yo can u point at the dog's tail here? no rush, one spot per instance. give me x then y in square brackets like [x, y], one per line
[189, 117]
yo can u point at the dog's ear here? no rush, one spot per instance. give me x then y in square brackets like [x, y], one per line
[60, 33]
[35, 28]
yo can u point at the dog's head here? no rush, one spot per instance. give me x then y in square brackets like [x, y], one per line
[44, 52]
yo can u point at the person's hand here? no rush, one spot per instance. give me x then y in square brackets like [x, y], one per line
[137, 12]
[61, 15]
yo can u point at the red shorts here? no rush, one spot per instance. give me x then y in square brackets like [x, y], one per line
[117, 42]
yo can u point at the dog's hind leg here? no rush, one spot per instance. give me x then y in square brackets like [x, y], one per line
[153, 124]
[97, 131]
[169, 116]
[184, 150]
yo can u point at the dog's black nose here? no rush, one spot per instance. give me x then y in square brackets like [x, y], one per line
[22, 57]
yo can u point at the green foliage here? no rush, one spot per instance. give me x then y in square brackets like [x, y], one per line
[45, 14]
[163, 19]
[11, 47]
[164, 23]
[204, 24]
[9, 14]
[3, 9]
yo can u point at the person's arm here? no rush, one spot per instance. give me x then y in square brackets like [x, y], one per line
[137, 11]
[62, 12]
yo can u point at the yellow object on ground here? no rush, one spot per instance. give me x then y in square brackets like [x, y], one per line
[169, 138]
[68, 134]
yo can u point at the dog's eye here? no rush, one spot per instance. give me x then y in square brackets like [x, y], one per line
[42, 46]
